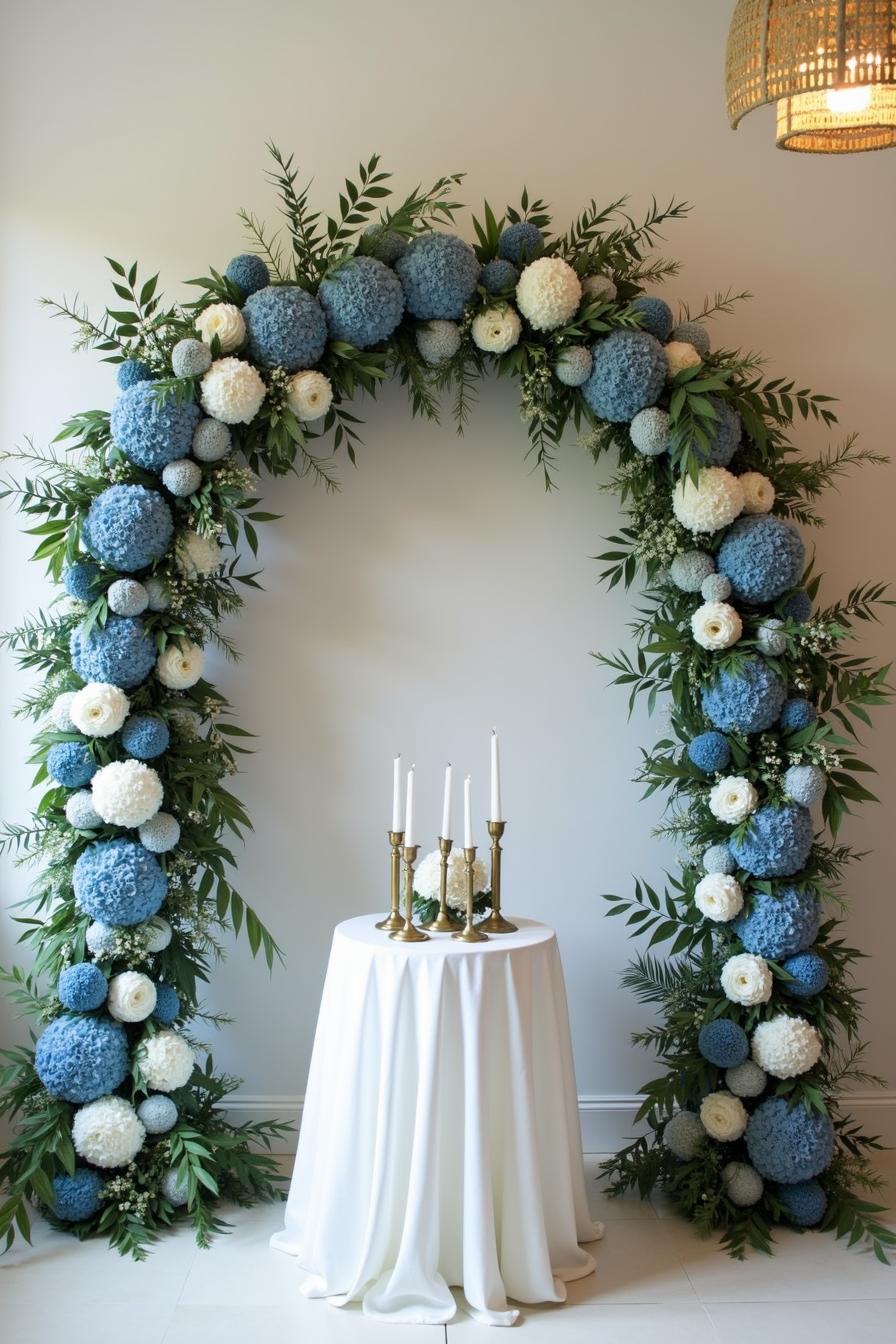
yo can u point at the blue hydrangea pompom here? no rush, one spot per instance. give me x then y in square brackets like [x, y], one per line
[71, 764]
[388, 244]
[656, 316]
[628, 374]
[128, 527]
[747, 700]
[650, 431]
[190, 358]
[724, 435]
[683, 1135]
[710, 752]
[157, 1114]
[521, 243]
[150, 431]
[499, 276]
[719, 859]
[160, 833]
[131, 372]
[777, 926]
[573, 366]
[810, 975]
[789, 1146]
[118, 882]
[723, 1043]
[212, 440]
[769, 638]
[763, 556]
[438, 272]
[689, 570]
[692, 333]
[805, 784]
[127, 597]
[286, 328]
[167, 1004]
[798, 713]
[805, 1201]
[80, 580]
[798, 606]
[77, 1197]
[80, 811]
[82, 1058]
[145, 736]
[82, 987]
[363, 302]
[120, 652]
[248, 272]
[776, 842]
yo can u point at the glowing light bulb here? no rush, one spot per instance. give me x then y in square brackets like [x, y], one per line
[849, 100]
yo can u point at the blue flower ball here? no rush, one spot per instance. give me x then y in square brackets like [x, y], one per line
[82, 1058]
[521, 243]
[723, 1043]
[745, 701]
[810, 975]
[693, 333]
[71, 764]
[119, 882]
[286, 328]
[363, 301]
[167, 1004]
[762, 555]
[131, 372]
[77, 1197]
[805, 784]
[798, 606]
[389, 244]
[777, 841]
[719, 859]
[724, 436]
[769, 638]
[798, 713]
[690, 569]
[157, 1114]
[128, 527]
[190, 358]
[80, 580]
[777, 926]
[499, 276]
[120, 652]
[145, 736]
[248, 273]
[709, 752]
[805, 1202]
[656, 316]
[573, 366]
[438, 272]
[628, 374]
[127, 597]
[82, 987]
[152, 432]
[789, 1146]
[212, 440]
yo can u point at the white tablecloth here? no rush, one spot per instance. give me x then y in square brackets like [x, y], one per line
[440, 1141]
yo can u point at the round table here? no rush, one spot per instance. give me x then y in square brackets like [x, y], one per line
[440, 1143]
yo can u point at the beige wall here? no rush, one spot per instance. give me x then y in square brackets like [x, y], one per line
[441, 591]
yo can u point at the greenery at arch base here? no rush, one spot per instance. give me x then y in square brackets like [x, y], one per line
[548, 310]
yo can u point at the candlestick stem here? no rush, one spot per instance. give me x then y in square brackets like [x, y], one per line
[469, 933]
[444, 921]
[394, 920]
[495, 921]
[409, 933]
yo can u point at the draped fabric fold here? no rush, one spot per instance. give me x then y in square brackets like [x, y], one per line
[440, 1143]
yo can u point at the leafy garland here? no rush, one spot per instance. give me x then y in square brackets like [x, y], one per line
[553, 348]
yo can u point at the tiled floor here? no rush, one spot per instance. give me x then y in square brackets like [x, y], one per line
[656, 1283]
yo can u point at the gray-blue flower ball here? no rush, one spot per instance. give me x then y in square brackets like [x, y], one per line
[628, 374]
[438, 273]
[573, 366]
[389, 244]
[82, 987]
[776, 842]
[71, 764]
[132, 371]
[248, 272]
[150, 431]
[689, 570]
[723, 1043]
[692, 333]
[789, 1145]
[145, 736]
[77, 1197]
[748, 700]
[80, 580]
[190, 358]
[778, 925]
[805, 784]
[157, 1114]
[810, 975]
[286, 328]
[127, 597]
[120, 652]
[128, 527]
[521, 243]
[363, 302]
[763, 556]
[119, 882]
[500, 277]
[724, 435]
[656, 316]
[798, 713]
[82, 1058]
[719, 859]
[167, 1007]
[805, 1202]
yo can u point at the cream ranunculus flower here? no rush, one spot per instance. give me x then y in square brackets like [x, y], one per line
[225, 321]
[496, 330]
[747, 980]
[716, 625]
[180, 666]
[309, 394]
[132, 996]
[732, 799]
[719, 897]
[99, 709]
[759, 493]
[724, 1117]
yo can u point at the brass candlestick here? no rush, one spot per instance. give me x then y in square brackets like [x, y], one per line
[469, 933]
[495, 921]
[409, 933]
[443, 922]
[394, 920]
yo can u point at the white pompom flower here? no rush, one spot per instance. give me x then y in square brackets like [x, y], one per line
[180, 666]
[759, 493]
[786, 1046]
[716, 625]
[548, 293]
[196, 555]
[108, 1132]
[126, 793]
[733, 799]
[165, 1060]
[724, 1116]
[497, 329]
[719, 897]
[708, 505]
[747, 980]
[132, 996]
[309, 394]
[680, 355]
[428, 872]
[225, 321]
[99, 709]
[232, 391]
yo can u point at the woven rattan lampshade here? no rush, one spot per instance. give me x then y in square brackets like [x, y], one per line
[830, 65]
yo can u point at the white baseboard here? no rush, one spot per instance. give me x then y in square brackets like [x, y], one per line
[607, 1120]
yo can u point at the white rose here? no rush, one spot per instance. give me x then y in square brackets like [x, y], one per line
[747, 980]
[196, 555]
[126, 793]
[680, 355]
[132, 996]
[716, 625]
[309, 395]
[719, 897]
[723, 1115]
[496, 330]
[99, 709]
[732, 799]
[548, 293]
[225, 321]
[759, 493]
[786, 1046]
[180, 666]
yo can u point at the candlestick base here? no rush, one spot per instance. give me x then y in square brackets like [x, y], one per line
[469, 933]
[409, 933]
[394, 919]
[442, 923]
[495, 922]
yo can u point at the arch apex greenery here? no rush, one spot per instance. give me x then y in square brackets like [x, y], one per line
[139, 513]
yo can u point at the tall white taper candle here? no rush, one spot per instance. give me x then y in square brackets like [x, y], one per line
[468, 816]
[409, 810]
[446, 805]
[396, 794]
[495, 814]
